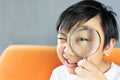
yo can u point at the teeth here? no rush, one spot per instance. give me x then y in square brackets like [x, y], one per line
[70, 61]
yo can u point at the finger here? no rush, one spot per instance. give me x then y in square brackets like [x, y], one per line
[81, 72]
[86, 75]
[89, 66]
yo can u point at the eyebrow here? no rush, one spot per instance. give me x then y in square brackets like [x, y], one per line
[61, 33]
[81, 30]
[84, 27]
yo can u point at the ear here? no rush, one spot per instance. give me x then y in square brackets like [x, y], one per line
[109, 47]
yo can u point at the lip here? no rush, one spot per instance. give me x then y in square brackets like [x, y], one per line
[70, 65]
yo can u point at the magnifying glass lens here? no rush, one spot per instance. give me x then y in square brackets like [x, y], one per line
[84, 41]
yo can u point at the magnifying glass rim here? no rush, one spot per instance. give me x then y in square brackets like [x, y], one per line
[83, 28]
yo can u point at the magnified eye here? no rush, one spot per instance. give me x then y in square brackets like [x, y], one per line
[82, 39]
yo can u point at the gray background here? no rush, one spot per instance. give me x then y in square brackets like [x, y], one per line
[34, 21]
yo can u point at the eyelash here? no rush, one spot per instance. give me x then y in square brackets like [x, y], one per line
[82, 39]
[61, 38]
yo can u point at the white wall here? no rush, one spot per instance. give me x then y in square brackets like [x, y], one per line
[34, 21]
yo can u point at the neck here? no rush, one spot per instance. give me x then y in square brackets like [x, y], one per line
[104, 66]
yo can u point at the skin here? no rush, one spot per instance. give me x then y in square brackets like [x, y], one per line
[93, 67]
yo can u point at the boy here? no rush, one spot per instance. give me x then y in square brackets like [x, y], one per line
[87, 31]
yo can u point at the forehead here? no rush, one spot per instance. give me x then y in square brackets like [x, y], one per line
[93, 23]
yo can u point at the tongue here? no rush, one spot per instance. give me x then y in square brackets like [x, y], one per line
[71, 65]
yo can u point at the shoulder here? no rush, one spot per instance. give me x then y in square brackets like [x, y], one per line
[115, 68]
[114, 72]
[59, 69]
[58, 73]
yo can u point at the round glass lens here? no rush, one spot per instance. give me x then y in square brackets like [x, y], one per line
[84, 41]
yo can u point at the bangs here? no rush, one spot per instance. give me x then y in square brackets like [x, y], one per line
[75, 14]
[70, 20]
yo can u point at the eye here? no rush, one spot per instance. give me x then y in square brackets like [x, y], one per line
[61, 38]
[82, 39]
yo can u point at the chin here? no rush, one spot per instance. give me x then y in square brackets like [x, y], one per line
[71, 70]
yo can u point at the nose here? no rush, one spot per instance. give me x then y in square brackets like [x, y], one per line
[68, 54]
[71, 57]
[67, 49]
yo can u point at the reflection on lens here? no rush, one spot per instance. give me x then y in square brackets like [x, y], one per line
[84, 41]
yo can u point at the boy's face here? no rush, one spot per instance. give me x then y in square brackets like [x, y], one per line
[68, 57]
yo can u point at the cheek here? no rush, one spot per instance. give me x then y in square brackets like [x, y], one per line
[60, 51]
[60, 47]
[96, 58]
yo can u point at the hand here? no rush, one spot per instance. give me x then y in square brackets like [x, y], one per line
[86, 70]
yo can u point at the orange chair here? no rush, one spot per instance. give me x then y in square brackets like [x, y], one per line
[25, 62]
[28, 62]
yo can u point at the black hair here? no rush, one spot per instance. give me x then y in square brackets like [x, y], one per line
[85, 10]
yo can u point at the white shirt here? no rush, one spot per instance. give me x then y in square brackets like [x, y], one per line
[60, 73]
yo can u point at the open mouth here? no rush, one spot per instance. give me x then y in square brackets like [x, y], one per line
[71, 60]
[70, 63]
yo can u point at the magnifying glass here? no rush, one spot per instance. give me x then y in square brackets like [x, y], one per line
[84, 41]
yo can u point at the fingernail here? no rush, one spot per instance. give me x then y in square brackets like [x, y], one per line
[80, 62]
